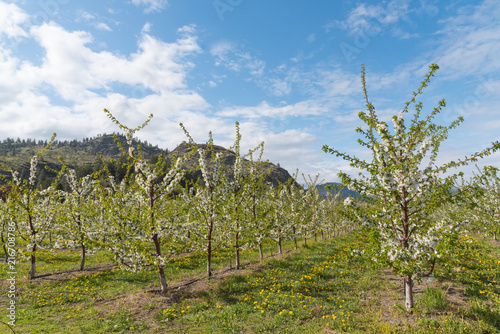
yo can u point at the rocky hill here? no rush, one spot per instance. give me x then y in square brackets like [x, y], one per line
[85, 157]
[274, 174]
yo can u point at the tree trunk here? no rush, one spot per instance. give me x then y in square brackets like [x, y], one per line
[161, 273]
[209, 250]
[261, 253]
[238, 264]
[322, 235]
[495, 236]
[4, 248]
[315, 237]
[294, 237]
[163, 280]
[82, 264]
[32, 272]
[408, 293]
[209, 259]
[237, 251]
[280, 249]
[6, 255]
[305, 240]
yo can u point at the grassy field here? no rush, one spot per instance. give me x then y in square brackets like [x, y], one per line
[320, 288]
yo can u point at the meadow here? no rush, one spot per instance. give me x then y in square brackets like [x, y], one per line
[319, 288]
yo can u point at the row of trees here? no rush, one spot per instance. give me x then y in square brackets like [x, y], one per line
[147, 219]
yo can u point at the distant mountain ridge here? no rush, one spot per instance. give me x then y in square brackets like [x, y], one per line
[335, 188]
[84, 156]
[274, 174]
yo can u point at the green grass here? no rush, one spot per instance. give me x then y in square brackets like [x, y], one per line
[321, 288]
[433, 299]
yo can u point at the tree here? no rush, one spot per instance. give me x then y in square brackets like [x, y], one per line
[236, 191]
[280, 214]
[259, 207]
[79, 214]
[207, 205]
[242, 196]
[157, 222]
[32, 210]
[403, 192]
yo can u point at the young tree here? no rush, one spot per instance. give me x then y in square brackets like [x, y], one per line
[404, 191]
[79, 213]
[242, 196]
[258, 208]
[156, 221]
[209, 203]
[297, 197]
[33, 210]
[236, 191]
[280, 215]
[309, 222]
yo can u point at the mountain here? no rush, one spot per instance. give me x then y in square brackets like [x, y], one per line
[85, 157]
[335, 188]
[15, 153]
[274, 174]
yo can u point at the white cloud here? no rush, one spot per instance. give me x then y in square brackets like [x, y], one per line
[95, 20]
[155, 74]
[146, 28]
[230, 56]
[222, 48]
[371, 19]
[187, 29]
[72, 67]
[87, 16]
[290, 148]
[302, 108]
[470, 42]
[103, 26]
[11, 19]
[254, 65]
[280, 87]
[151, 5]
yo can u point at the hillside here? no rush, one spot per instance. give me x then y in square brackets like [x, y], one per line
[274, 174]
[84, 157]
[15, 153]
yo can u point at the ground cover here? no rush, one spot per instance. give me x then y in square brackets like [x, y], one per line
[321, 288]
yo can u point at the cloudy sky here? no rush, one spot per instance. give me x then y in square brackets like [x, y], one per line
[288, 71]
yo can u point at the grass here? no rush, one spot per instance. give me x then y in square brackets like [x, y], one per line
[321, 288]
[432, 300]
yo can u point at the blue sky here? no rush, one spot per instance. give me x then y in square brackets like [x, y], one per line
[288, 71]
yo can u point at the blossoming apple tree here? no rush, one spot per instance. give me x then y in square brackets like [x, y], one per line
[404, 182]
[33, 210]
[80, 207]
[154, 216]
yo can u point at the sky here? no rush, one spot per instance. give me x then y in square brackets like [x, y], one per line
[287, 71]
